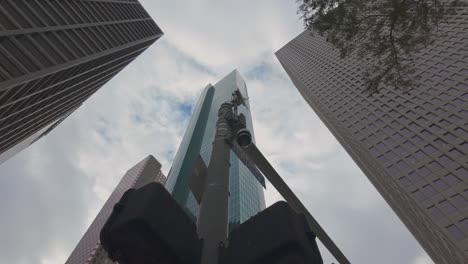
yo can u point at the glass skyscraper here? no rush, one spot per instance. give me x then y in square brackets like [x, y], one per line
[246, 193]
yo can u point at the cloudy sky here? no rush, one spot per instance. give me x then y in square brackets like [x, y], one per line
[50, 192]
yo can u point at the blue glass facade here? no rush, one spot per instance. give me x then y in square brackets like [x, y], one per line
[246, 193]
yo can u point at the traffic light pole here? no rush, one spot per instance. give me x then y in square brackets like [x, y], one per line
[212, 225]
[213, 216]
[135, 232]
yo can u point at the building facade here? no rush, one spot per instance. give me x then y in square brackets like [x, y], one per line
[412, 146]
[31, 139]
[89, 249]
[246, 193]
[56, 54]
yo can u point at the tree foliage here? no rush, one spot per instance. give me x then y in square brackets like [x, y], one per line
[386, 32]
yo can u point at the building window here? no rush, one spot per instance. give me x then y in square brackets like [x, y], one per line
[454, 153]
[419, 195]
[447, 207]
[455, 232]
[404, 182]
[464, 224]
[428, 191]
[440, 184]
[462, 173]
[459, 201]
[414, 177]
[451, 179]
[434, 166]
[435, 212]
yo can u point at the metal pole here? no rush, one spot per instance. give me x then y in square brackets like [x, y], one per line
[213, 217]
[275, 179]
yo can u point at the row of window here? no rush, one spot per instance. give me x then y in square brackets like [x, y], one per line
[48, 101]
[20, 92]
[29, 14]
[30, 53]
[400, 139]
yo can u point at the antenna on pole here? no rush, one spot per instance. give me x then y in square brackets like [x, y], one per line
[237, 100]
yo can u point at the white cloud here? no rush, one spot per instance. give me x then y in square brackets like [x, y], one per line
[218, 33]
[72, 171]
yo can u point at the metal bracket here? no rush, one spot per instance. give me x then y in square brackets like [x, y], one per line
[198, 179]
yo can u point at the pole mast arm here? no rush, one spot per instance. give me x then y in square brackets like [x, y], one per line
[275, 179]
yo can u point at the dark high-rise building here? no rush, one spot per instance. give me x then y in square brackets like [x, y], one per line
[56, 54]
[246, 193]
[413, 147]
[89, 249]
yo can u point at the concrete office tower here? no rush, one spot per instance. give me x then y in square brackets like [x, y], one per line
[412, 147]
[56, 54]
[246, 193]
[89, 249]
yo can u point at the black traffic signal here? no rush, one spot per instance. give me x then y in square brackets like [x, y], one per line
[277, 235]
[147, 226]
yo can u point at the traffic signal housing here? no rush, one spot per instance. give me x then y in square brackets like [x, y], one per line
[277, 235]
[148, 226]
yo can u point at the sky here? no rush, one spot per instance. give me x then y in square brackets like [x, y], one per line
[50, 193]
